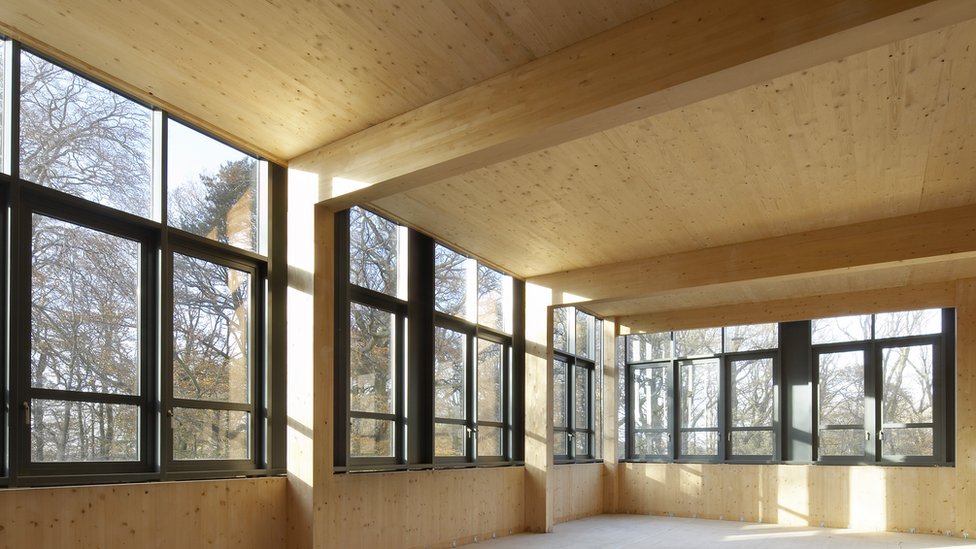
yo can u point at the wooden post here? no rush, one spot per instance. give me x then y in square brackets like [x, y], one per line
[539, 470]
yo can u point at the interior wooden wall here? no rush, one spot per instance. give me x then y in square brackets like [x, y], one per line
[219, 514]
[927, 499]
[427, 508]
[578, 491]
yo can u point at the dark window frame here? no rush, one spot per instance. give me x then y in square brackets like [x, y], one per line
[417, 425]
[156, 244]
[574, 361]
[795, 424]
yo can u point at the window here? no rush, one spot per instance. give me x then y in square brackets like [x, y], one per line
[139, 335]
[879, 387]
[577, 366]
[702, 395]
[441, 325]
[873, 388]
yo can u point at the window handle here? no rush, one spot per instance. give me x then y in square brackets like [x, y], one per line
[867, 435]
[881, 434]
[25, 406]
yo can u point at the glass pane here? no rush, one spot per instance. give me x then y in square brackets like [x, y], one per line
[699, 443]
[374, 253]
[211, 335]
[842, 388]
[840, 329]
[907, 392]
[494, 299]
[751, 337]
[489, 381]
[449, 368]
[84, 309]
[560, 381]
[370, 437]
[211, 434]
[703, 342]
[647, 347]
[582, 445]
[372, 360]
[80, 138]
[581, 400]
[585, 333]
[699, 391]
[908, 323]
[63, 431]
[651, 444]
[651, 398]
[212, 188]
[841, 442]
[620, 345]
[560, 329]
[489, 441]
[914, 441]
[560, 444]
[454, 283]
[449, 439]
[752, 443]
[752, 392]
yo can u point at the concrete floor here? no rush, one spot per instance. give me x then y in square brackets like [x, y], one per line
[633, 531]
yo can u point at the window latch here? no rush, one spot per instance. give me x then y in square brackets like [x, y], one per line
[881, 434]
[867, 435]
[25, 406]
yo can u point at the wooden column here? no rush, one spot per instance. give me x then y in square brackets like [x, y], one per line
[608, 435]
[324, 488]
[965, 492]
[539, 482]
[301, 409]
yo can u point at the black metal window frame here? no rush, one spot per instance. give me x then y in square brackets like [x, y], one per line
[157, 242]
[573, 431]
[796, 414]
[724, 429]
[415, 418]
[943, 348]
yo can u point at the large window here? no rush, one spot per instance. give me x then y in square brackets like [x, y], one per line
[138, 253]
[862, 389]
[880, 387]
[577, 369]
[429, 374]
[705, 394]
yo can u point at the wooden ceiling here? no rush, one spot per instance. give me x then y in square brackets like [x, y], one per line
[286, 77]
[558, 136]
[883, 133]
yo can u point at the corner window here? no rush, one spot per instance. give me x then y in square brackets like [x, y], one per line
[577, 367]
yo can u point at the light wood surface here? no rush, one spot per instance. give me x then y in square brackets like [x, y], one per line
[539, 468]
[817, 306]
[578, 491]
[223, 514]
[651, 65]
[287, 77]
[878, 134]
[907, 240]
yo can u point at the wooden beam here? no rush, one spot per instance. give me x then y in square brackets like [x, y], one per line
[685, 52]
[785, 310]
[913, 239]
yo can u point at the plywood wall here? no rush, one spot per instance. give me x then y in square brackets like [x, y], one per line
[578, 491]
[218, 514]
[926, 499]
[427, 508]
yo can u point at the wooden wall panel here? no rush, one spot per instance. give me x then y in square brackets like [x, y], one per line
[578, 491]
[231, 514]
[427, 508]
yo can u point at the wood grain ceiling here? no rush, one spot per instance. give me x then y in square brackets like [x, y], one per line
[286, 77]
[886, 132]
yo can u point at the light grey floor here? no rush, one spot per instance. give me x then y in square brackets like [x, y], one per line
[633, 531]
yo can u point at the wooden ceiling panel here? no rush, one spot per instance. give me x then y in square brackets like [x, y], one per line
[879, 134]
[288, 77]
